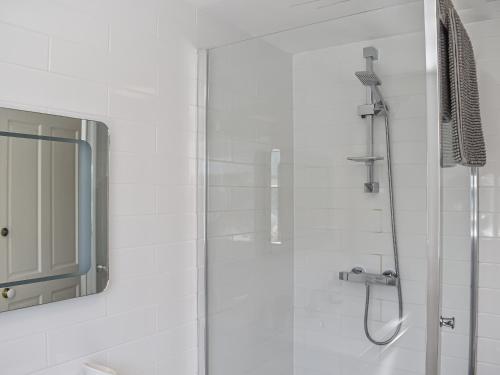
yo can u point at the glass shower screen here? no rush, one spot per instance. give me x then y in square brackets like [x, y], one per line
[287, 211]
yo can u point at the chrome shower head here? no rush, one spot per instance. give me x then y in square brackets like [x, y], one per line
[368, 78]
[371, 79]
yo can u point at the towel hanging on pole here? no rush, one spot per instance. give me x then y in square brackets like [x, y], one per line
[462, 140]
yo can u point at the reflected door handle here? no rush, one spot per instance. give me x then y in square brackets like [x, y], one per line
[8, 293]
[4, 232]
[102, 268]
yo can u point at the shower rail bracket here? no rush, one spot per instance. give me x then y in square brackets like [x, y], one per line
[366, 110]
[358, 275]
[370, 186]
[375, 109]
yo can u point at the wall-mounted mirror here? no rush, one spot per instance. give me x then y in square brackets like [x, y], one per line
[53, 208]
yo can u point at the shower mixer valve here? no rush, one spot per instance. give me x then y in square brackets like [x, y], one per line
[359, 275]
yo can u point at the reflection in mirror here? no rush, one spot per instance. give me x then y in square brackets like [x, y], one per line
[53, 208]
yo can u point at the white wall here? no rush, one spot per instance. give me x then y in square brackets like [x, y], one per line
[250, 279]
[131, 64]
[338, 226]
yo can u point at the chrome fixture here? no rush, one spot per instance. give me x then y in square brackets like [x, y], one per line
[101, 268]
[377, 107]
[474, 286]
[358, 270]
[358, 275]
[368, 78]
[447, 322]
[374, 106]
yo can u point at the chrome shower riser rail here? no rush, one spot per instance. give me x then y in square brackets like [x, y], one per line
[375, 100]
[373, 107]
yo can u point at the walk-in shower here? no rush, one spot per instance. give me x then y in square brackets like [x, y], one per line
[377, 107]
[335, 244]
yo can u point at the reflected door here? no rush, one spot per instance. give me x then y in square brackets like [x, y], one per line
[40, 233]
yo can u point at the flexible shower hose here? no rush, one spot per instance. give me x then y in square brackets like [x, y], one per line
[394, 247]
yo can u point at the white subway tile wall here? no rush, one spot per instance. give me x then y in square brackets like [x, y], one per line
[132, 65]
[338, 226]
[456, 213]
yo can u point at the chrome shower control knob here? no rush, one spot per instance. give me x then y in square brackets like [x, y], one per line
[8, 293]
[358, 270]
[390, 273]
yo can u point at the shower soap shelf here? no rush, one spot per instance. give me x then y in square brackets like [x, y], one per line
[355, 276]
[365, 159]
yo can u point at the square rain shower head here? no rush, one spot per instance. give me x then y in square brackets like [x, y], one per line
[368, 78]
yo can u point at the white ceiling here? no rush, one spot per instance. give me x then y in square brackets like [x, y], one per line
[478, 10]
[261, 17]
[385, 22]
[328, 22]
[251, 18]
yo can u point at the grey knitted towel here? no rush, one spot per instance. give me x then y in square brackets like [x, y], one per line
[462, 140]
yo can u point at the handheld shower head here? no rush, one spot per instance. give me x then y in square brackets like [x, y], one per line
[371, 79]
[368, 78]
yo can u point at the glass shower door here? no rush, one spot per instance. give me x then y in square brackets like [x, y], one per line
[287, 211]
[250, 211]
[456, 270]
[470, 226]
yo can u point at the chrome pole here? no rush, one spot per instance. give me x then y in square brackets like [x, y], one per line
[474, 282]
[370, 54]
[433, 344]
[433, 337]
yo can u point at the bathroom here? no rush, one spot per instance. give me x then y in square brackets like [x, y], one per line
[270, 188]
